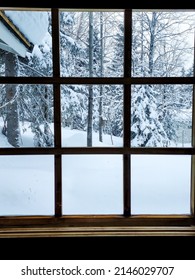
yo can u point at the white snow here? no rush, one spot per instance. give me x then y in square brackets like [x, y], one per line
[92, 184]
[33, 24]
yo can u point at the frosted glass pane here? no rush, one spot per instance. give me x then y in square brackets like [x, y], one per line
[92, 184]
[160, 184]
[27, 185]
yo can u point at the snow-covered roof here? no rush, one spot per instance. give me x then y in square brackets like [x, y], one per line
[21, 30]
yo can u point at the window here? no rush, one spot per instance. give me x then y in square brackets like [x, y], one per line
[97, 122]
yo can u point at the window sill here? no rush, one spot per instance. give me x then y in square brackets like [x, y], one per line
[94, 226]
[19, 232]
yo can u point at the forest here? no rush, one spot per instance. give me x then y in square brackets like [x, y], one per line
[92, 45]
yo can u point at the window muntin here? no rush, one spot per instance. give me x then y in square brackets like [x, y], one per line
[126, 151]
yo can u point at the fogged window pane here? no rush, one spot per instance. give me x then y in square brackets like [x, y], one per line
[161, 115]
[26, 116]
[27, 185]
[160, 184]
[91, 44]
[25, 43]
[92, 115]
[92, 184]
[163, 44]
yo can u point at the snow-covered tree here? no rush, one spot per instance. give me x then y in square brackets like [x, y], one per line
[92, 45]
[159, 49]
[73, 63]
[146, 129]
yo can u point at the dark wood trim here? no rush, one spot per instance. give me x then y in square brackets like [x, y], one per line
[97, 80]
[97, 221]
[97, 150]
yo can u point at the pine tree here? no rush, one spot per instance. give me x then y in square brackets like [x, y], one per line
[146, 129]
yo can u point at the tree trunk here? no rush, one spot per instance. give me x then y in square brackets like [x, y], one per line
[152, 43]
[12, 118]
[90, 98]
[101, 75]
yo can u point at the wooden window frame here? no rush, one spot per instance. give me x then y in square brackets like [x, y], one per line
[61, 225]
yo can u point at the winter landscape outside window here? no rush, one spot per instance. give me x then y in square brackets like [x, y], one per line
[97, 118]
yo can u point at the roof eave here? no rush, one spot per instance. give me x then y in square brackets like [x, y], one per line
[13, 40]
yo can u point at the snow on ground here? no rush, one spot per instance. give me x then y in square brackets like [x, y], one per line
[92, 184]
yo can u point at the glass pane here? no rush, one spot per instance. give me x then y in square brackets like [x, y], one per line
[160, 184]
[161, 115]
[26, 116]
[25, 43]
[91, 44]
[92, 184]
[27, 185]
[92, 115]
[163, 43]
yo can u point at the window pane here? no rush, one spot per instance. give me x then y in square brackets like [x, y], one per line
[27, 185]
[163, 44]
[25, 43]
[26, 116]
[92, 184]
[91, 44]
[92, 115]
[160, 184]
[161, 115]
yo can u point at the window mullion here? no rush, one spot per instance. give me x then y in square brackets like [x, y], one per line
[127, 110]
[57, 111]
[193, 145]
[193, 159]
